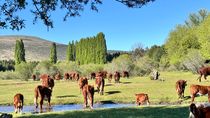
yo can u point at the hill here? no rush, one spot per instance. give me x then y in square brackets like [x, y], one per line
[36, 48]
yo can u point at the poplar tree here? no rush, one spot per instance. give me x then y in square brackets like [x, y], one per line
[19, 52]
[53, 53]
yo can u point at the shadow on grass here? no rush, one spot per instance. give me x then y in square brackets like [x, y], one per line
[66, 96]
[108, 85]
[126, 82]
[134, 112]
[112, 92]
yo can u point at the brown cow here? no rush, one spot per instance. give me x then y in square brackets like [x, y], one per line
[47, 81]
[42, 92]
[66, 76]
[125, 74]
[100, 84]
[180, 87]
[117, 77]
[195, 89]
[33, 77]
[18, 103]
[74, 76]
[109, 77]
[102, 73]
[87, 91]
[199, 111]
[92, 75]
[141, 98]
[203, 71]
[58, 76]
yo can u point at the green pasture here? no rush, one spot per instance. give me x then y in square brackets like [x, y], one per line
[67, 92]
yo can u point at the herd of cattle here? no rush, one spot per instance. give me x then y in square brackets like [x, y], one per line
[45, 90]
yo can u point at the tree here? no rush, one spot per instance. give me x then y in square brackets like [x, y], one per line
[42, 10]
[137, 51]
[19, 52]
[70, 52]
[53, 54]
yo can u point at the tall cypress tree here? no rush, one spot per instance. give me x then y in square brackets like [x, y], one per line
[19, 52]
[69, 52]
[53, 53]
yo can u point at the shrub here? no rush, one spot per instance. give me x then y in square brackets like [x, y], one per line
[88, 68]
[68, 67]
[24, 70]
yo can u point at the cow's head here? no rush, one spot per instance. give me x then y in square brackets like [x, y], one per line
[82, 82]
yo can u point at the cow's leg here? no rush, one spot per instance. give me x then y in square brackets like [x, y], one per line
[85, 99]
[193, 97]
[90, 97]
[205, 77]
[35, 102]
[49, 105]
[41, 102]
[199, 78]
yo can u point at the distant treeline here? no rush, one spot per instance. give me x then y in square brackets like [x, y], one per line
[6, 65]
[88, 50]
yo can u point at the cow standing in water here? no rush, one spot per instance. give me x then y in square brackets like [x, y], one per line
[141, 98]
[87, 91]
[18, 103]
[180, 87]
[42, 92]
[199, 111]
[203, 71]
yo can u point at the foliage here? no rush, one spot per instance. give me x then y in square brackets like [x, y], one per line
[43, 9]
[121, 63]
[19, 52]
[53, 54]
[137, 51]
[7, 65]
[88, 68]
[91, 50]
[45, 67]
[70, 52]
[156, 52]
[24, 70]
[68, 67]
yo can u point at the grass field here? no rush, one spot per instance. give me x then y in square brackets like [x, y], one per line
[67, 92]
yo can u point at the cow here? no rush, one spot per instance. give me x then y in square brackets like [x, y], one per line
[58, 76]
[102, 73]
[18, 102]
[66, 76]
[109, 77]
[117, 77]
[125, 74]
[141, 98]
[199, 111]
[180, 87]
[42, 92]
[74, 76]
[87, 91]
[92, 75]
[33, 76]
[100, 84]
[195, 89]
[203, 71]
[47, 81]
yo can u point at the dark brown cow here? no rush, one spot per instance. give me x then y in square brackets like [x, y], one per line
[109, 77]
[87, 91]
[180, 87]
[47, 81]
[125, 74]
[195, 89]
[199, 111]
[42, 92]
[66, 76]
[74, 76]
[92, 75]
[117, 77]
[203, 71]
[141, 98]
[58, 76]
[100, 84]
[18, 103]
[33, 77]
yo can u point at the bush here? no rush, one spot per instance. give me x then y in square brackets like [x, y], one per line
[45, 67]
[88, 68]
[24, 70]
[8, 75]
[68, 67]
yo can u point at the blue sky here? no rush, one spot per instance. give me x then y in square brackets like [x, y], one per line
[123, 27]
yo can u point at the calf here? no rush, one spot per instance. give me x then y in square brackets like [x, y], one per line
[180, 87]
[33, 77]
[125, 74]
[141, 98]
[100, 84]
[195, 89]
[92, 75]
[109, 77]
[199, 111]
[66, 76]
[42, 92]
[87, 91]
[203, 71]
[18, 103]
